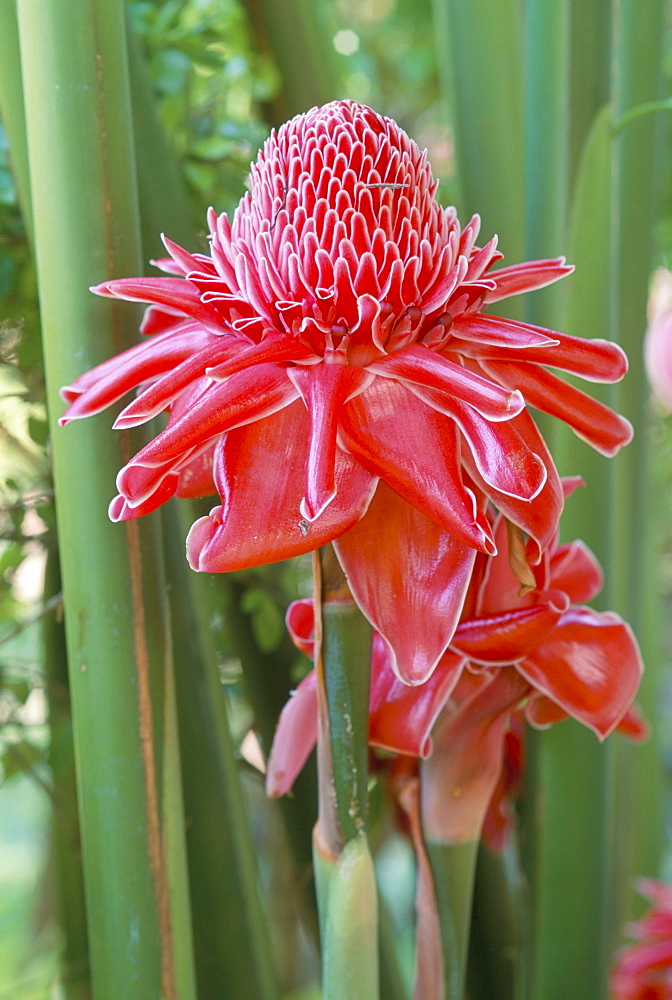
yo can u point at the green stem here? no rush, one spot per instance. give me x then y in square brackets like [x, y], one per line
[346, 655]
[74, 979]
[488, 119]
[344, 874]
[636, 82]
[453, 867]
[11, 108]
[547, 30]
[346, 889]
[283, 30]
[231, 938]
[85, 214]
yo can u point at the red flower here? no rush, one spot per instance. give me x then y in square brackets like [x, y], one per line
[643, 969]
[330, 366]
[538, 652]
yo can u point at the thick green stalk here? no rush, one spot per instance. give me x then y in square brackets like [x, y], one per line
[570, 834]
[11, 107]
[231, 938]
[295, 34]
[346, 889]
[71, 913]
[590, 31]
[344, 872]
[497, 948]
[547, 31]
[83, 184]
[636, 79]
[346, 657]
[481, 41]
[453, 867]
[162, 197]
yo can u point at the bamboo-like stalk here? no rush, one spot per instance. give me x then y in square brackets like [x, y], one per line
[11, 107]
[481, 41]
[547, 66]
[85, 212]
[636, 81]
[71, 910]
[295, 34]
[344, 873]
[233, 956]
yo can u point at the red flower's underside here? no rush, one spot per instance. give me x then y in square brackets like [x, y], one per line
[331, 356]
[538, 652]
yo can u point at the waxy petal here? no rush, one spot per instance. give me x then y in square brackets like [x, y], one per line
[260, 472]
[415, 450]
[177, 293]
[295, 737]
[527, 277]
[409, 577]
[594, 360]
[575, 570]
[421, 366]
[402, 717]
[244, 398]
[590, 420]
[538, 518]
[106, 383]
[488, 332]
[502, 457]
[324, 390]
[460, 776]
[590, 666]
[509, 636]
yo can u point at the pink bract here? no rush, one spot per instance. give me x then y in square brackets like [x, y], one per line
[329, 368]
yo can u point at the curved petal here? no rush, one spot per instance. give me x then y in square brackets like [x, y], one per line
[487, 332]
[415, 450]
[595, 360]
[295, 736]
[500, 817]
[502, 457]
[590, 666]
[401, 717]
[526, 277]
[260, 472]
[324, 389]
[300, 622]
[195, 478]
[409, 577]
[539, 517]
[511, 635]
[590, 420]
[161, 393]
[575, 570]
[244, 398]
[460, 776]
[422, 366]
[103, 385]
[177, 293]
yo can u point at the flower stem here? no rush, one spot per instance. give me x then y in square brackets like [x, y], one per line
[344, 872]
[453, 868]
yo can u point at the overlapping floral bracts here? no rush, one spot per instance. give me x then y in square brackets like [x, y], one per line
[536, 655]
[643, 969]
[330, 370]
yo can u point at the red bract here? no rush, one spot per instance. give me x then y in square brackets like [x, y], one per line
[538, 652]
[643, 969]
[330, 367]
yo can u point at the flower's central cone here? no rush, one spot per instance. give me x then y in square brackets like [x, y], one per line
[341, 243]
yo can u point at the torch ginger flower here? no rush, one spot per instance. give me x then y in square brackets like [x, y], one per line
[330, 371]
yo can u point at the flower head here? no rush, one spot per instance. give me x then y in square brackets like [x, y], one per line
[330, 365]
